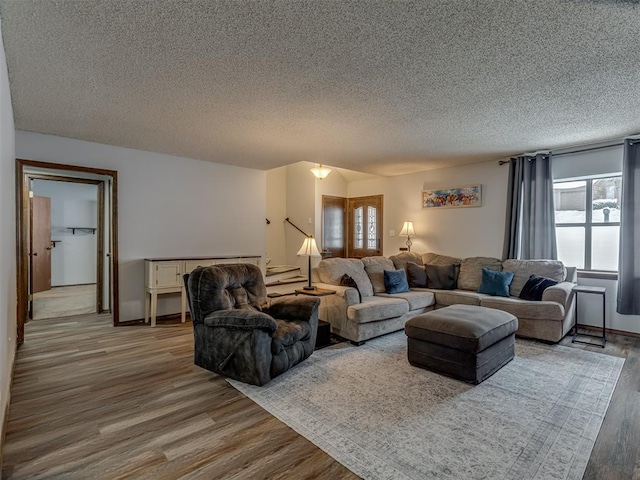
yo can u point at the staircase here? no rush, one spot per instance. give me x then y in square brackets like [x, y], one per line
[284, 279]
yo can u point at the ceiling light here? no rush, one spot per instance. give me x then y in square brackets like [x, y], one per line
[321, 172]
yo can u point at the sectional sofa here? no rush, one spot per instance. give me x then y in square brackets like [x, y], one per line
[366, 310]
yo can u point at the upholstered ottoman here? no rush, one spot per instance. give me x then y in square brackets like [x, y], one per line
[464, 341]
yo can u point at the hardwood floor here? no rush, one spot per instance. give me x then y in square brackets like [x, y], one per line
[90, 401]
[93, 401]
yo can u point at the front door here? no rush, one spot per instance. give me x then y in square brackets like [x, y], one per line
[334, 216]
[40, 244]
[365, 226]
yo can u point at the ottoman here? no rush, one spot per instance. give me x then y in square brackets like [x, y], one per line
[463, 341]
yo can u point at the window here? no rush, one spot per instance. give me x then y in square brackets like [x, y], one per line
[588, 237]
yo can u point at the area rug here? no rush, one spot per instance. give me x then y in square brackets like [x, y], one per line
[536, 418]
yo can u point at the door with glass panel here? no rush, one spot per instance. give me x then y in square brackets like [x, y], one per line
[365, 226]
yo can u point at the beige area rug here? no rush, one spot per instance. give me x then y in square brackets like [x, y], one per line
[65, 302]
[536, 418]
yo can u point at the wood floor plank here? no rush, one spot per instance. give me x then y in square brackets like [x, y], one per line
[92, 401]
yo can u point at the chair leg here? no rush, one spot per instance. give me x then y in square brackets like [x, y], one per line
[357, 344]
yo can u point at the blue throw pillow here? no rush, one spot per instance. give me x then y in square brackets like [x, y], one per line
[395, 281]
[495, 283]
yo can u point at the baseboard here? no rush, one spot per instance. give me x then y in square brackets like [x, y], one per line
[159, 318]
[608, 330]
[5, 414]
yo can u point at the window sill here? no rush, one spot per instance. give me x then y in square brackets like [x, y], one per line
[597, 275]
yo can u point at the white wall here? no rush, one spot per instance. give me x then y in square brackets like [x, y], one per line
[74, 259]
[460, 232]
[167, 206]
[7, 239]
[300, 210]
[276, 213]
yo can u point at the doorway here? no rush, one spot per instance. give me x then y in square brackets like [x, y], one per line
[66, 219]
[334, 226]
[364, 233]
[30, 246]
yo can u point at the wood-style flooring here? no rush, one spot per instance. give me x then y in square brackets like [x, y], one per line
[90, 401]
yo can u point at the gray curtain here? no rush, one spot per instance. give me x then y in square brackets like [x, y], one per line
[530, 231]
[629, 260]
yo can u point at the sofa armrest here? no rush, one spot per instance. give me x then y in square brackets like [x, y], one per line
[561, 293]
[349, 294]
[293, 308]
[241, 319]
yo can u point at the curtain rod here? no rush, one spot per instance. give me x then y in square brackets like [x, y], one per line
[586, 149]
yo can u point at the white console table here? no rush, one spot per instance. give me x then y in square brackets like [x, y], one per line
[164, 275]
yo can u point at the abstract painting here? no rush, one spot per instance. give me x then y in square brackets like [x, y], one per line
[453, 197]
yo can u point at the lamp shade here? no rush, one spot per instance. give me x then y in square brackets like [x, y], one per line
[407, 229]
[309, 248]
[321, 172]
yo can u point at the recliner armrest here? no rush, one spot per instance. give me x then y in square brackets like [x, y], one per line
[241, 319]
[293, 308]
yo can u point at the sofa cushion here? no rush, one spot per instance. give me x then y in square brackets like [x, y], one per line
[395, 281]
[331, 270]
[400, 260]
[454, 297]
[525, 308]
[374, 267]
[416, 275]
[435, 259]
[523, 269]
[495, 283]
[470, 275]
[535, 287]
[442, 277]
[377, 308]
[417, 299]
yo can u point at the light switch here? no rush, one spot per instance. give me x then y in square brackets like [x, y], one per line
[392, 233]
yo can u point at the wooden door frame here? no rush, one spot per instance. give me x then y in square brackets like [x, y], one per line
[22, 235]
[350, 223]
[345, 222]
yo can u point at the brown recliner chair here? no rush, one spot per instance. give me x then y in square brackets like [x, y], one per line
[239, 332]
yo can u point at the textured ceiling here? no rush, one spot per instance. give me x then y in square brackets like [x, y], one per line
[382, 87]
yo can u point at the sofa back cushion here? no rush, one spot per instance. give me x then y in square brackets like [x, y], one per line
[523, 269]
[436, 259]
[470, 276]
[400, 260]
[225, 287]
[331, 270]
[375, 267]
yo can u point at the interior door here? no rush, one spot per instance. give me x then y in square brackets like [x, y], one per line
[365, 226]
[334, 225]
[40, 244]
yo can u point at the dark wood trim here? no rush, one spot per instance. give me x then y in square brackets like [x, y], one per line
[100, 249]
[113, 232]
[22, 214]
[22, 234]
[159, 318]
[68, 168]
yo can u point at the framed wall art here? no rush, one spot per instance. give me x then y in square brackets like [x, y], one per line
[453, 197]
